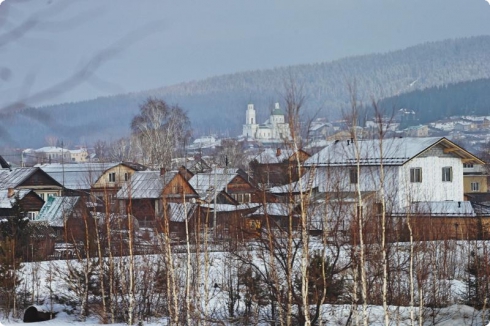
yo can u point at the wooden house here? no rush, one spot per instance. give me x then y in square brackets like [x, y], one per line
[228, 222]
[113, 178]
[220, 221]
[271, 216]
[224, 183]
[76, 178]
[30, 178]
[41, 241]
[147, 192]
[175, 217]
[64, 215]
[278, 167]
[101, 180]
[29, 203]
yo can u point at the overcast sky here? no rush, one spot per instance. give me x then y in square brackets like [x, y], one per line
[85, 49]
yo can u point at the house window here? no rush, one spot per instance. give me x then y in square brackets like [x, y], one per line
[416, 175]
[467, 165]
[246, 198]
[447, 174]
[126, 176]
[112, 177]
[353, 175]
[242, 198]
[475, 186]
[31, 215]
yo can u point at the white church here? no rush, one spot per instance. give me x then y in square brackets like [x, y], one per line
[275, 129]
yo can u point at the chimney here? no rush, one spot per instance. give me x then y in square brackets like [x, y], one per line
[10, 192]
[348, 142]
[278, 152]
[459, 204]
[162, 171]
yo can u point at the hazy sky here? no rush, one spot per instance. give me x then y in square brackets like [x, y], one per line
[84, 49]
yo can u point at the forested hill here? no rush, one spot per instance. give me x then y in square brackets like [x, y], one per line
[218, 104]
[434, 103]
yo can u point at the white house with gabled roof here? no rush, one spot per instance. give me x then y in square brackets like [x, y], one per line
[412, 170]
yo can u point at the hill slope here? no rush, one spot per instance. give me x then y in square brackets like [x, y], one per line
[430, 104]
[218, 103]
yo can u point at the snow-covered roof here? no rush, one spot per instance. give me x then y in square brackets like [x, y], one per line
[204, 140]
[273, 209]
[444, 125]
[146, 184]
[180, 212]
[294, 187]
[229, 207]
[476, 118]
[210, 184]
[76, 176]
[318, 143]
[440, 208]
[13, 178]
[78, 151]
[390, 151]
[51, 149]
[270, 155]
[6, 201]
[57, 209]
[317, 125]
[311, 179]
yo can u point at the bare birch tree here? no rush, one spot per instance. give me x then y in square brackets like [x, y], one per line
[160, 129]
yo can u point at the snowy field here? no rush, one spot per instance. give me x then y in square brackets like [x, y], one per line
[38, 278]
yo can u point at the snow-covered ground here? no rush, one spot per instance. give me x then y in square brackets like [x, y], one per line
[36, 282]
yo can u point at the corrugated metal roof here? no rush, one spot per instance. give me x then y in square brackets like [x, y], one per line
[210, 184]
[180, 212]
[76, 176]
[13, 178]
[56, 209]
[391, 151]
[6, 201]
[145, 184]
[273, 209]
